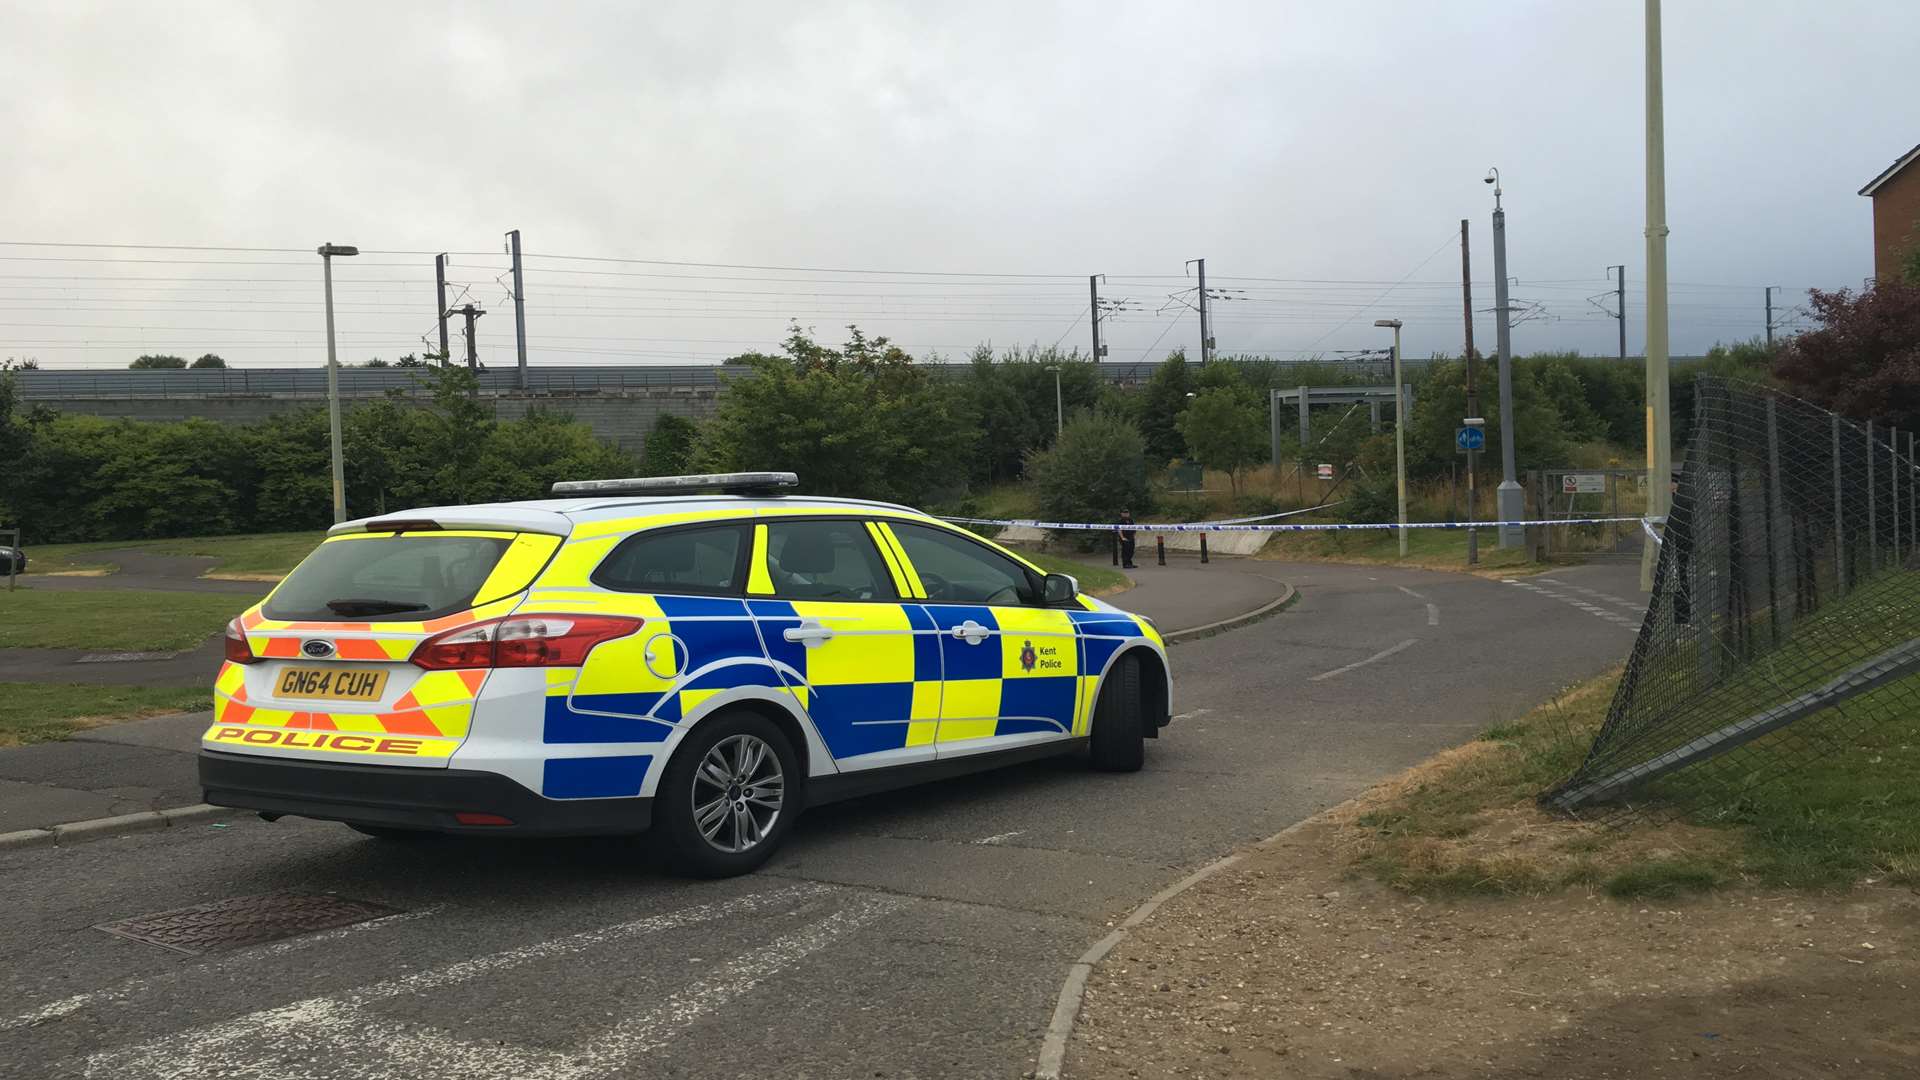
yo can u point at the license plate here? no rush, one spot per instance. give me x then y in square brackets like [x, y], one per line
[331, 683]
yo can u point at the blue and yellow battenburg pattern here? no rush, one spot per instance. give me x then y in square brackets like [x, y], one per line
[893, 675]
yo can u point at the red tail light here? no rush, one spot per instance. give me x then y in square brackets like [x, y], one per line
[238, 651]
[523, 641]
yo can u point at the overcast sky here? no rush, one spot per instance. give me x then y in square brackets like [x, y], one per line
[1315, 154]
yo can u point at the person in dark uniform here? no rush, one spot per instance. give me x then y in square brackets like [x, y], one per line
[1126, 541]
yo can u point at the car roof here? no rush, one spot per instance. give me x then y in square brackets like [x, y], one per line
[559, 516]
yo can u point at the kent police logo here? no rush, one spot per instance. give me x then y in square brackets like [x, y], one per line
[1028, 657]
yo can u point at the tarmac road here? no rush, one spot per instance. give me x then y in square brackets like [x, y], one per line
[918, 934]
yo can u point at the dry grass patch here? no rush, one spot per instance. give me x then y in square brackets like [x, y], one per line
[1465, 821]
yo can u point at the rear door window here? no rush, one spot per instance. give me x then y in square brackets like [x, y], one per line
[825, 560]
[406, 577]
[700, 561]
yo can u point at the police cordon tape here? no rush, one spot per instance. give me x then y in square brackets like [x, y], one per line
[1215, 526]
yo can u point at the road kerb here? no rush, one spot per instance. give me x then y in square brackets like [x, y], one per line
[1194, 633]
[25, 838]
[75, 831]
[80, 832]
[1066, 1011]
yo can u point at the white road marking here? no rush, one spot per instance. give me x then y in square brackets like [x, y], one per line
[573, 943]
[330, 1037]
[1381, 655]
[652, 1030]
[1433, 614]
[1410, 592]
[1191, 714]
[1591, 609]
[1001, 838]
[66, 1006]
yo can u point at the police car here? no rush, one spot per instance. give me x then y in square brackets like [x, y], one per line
[702, 656]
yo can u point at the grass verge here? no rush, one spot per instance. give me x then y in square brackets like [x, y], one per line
[1465, 822]
[123, 620]
[40, 712]
[1097, 580]
[255, 554]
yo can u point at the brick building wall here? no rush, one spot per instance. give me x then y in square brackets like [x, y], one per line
[1896, 219]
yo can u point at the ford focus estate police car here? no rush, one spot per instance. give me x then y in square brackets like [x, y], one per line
[699, 656]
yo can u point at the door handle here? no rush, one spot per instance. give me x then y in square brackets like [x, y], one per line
[808, 634]
[971, 632]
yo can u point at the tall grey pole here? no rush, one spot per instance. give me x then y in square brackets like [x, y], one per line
[1770, 316]
[1206, 324]
[1400, 438]
[1512, 501]
[1473, 390]
[1620, 302]
[333, 397]
[519, 312]
[1093, 293]
[1659, 390]
[1059, 409]
[440, 291]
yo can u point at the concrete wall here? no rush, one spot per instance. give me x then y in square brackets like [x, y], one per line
[621, 417]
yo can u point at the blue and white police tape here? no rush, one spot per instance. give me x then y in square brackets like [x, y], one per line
[1215, 526]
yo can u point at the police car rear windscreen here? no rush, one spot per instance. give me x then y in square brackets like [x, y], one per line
[374, 577]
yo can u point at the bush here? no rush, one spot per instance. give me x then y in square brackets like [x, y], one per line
[669, 446]
[1096, 469]
[75, 478]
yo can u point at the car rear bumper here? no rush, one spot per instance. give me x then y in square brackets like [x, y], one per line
[408, 798]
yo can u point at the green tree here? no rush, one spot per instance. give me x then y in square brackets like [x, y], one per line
[208, 360]
[1163, 400]
[859, 421]
[668, 450]
[1225, 430]
[1013, 394]
[1440, 402]
[1096, 469]
[153, 362]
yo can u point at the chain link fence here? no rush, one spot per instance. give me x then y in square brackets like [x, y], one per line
[1784, 623]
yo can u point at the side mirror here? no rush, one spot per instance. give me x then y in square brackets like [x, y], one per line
[1059, 588]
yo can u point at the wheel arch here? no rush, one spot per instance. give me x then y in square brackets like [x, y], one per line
[799, 733]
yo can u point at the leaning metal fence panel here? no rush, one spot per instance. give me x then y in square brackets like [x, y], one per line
[1784, 623]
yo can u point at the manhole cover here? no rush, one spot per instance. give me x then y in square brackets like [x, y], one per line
[245, 920]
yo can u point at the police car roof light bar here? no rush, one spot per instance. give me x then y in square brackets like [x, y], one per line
[740, 483]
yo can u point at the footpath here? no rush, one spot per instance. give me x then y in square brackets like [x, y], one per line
[148, 765]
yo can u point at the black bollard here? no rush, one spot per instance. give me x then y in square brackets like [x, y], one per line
[1160, 542]
[1116, 547]
[1203, 547]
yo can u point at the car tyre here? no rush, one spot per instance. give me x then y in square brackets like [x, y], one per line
[705, 828]
[1119, 742]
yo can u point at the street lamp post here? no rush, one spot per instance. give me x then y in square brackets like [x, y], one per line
[1399, 432]
[327, 252]
[1059, 410]
[1511, 502]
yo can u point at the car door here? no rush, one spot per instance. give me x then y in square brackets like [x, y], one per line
[1011, 665]
[829, 609]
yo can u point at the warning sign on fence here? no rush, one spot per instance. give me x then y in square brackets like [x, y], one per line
[1583, 483]
[1323, 471]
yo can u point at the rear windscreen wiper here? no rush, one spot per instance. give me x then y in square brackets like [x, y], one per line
[372, 607]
